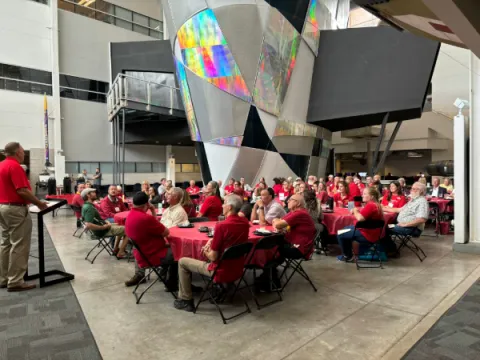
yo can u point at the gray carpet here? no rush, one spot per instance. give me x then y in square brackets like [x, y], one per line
[456, 335]
[47, 323]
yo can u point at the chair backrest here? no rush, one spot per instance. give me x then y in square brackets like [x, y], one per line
[198, 219]
[269, 242]
[236, 251]
[357, 199]
[433, 205]
[136, 246]
[370, 224]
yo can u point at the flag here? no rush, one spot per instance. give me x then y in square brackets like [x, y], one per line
[45, 130]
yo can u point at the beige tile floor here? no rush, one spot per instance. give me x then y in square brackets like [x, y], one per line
[368, 314]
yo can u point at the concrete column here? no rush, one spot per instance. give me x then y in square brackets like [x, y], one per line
[165, 27]
[55, 112]
[474, 134]
[170, 156]
[338, 166]
[369, 157]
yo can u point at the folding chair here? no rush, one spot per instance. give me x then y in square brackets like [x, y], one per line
[434, 215]
[232, 253]
[407, 241]
[371, 225]
[319, 242]
[294, 260]
[102, 243]
[151, 268]
[80, 228]
[198, 219]
[266, 243]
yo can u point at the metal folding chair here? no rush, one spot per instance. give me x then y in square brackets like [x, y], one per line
[264, 244]
[294, 260]
[407, 241]
[151, 269]
[434, 216]
[102, 243]
[81, 228]
[232, 253]
[371, 225]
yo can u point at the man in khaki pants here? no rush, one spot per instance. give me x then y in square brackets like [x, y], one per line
[15, 220]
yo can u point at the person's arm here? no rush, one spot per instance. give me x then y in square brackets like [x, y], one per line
[279, 224]
[211, 249]
[392, 210]
[357, 214]
[28, 196]
[414, 223]
[253, 217]
[261, 215]
[94, 227]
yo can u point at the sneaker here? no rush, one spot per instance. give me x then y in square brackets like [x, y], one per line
[186, 305]
[135, 280]
[345, 259]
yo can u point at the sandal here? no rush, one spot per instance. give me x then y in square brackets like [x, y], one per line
[120, 257]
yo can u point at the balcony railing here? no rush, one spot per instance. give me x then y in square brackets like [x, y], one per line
[127, 89]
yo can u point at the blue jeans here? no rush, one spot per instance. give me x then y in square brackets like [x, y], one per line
[398, 230]
[345, 240]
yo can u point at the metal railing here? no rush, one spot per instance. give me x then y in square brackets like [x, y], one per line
[127, 88]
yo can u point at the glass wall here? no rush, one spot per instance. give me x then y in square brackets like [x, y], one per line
[17, 78]
[115, 15]
[74, 87]
[74, 167]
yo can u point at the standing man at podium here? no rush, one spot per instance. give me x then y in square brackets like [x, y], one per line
[15, 220]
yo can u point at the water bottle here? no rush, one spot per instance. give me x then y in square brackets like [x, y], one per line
[160, 209]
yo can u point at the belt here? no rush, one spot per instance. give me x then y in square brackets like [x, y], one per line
[14, 204]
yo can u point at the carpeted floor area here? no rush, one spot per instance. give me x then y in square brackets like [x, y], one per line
[456, 335]
[45, 323]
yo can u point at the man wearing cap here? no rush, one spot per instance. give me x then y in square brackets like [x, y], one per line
[149, 235]
[100, 227]
[15, 220]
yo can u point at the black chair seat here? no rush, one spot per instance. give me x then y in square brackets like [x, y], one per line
[371, 225]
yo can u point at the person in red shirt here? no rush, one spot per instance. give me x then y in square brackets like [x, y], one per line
[188, 205]
[232, 231]
[371, 211]
[395, 198]
[238, 189]
[358, 181]
[78, 202]
[352, 187]
[278, 186]
[330, 180]
[212, 206]
[230, 187]
[342, 197]
[322, 193]
[284, 193]
[262, 181]
[193, 189]
[149, 235]
[15, 220]
[333, 187]
[111, 205]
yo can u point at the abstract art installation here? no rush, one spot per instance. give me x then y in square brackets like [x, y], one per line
[254, 130]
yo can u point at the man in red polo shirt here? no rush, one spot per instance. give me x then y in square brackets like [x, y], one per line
[149, 235]
[232, 231]
[193, 189]
[15, 220]
[111, 205]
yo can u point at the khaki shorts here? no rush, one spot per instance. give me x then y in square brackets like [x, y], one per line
[116, 230]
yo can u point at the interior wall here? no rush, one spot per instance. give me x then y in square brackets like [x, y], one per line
[397, 167]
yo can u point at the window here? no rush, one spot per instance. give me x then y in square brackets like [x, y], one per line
[144, 168]
[89, 166]
[187, 168]
[74, 87]
[112, 14]
[18, 78]
[72, 168]
[106, 168]
[159, 167]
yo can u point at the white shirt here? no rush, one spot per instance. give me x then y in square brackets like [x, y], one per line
[173, 216]
[435, 192]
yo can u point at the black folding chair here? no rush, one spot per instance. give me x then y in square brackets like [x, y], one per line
[434, 216]
[198, 219]
[80, 229]
[357, 199]
[264, 244]
[150, 269]
[102, 243]
[232, 253]
[407, 241]
[321, 242]
[294, 260]
[370, 225]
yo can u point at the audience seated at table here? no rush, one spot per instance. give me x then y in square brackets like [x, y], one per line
[285, 192]
[232, 231]
[102, 228]
[111, 204]
[78, 202]
[230, 186]
[447, 184]
[358, 181]
[342, 197]
[212, 206]
[322, 193]
[237, 189]
[413, 216]
[436, 190]
[371, 211]
[394, 199]
[257, 193]
[314, 208]
[353, 189]
[153, 197]
[188, 205]
[266, 209]
[149, 235]
[174, 214]
[277, 187]
[145, 186]
[193, 189]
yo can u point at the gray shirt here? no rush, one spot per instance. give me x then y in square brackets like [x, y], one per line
[98, 181]
[273, 210]
[414, 209]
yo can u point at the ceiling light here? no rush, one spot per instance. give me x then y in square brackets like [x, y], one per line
[413, 154]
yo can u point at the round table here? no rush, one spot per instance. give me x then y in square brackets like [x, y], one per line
[68, 197]
[189, 242]
[121, 217]
[442, 203]
[341, 217]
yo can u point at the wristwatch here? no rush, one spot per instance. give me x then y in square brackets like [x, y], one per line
[260, 208]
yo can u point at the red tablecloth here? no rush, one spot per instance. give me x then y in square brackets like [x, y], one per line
[121, 217]
[189, 242]
[68, 197]
[341, 218]
[442, 204]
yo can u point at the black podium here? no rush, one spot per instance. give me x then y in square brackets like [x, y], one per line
[62, 276]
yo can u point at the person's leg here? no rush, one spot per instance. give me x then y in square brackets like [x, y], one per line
[5, 247]
[187, 266]
[119, 232]
[20, 223]
[123, 246]
[137, 277]
[345, 241]
[172, 278]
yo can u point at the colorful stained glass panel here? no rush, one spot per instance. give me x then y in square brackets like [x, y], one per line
[205, 52]
[187, 102]
[290, 128]
[229, 141]
[311, 34]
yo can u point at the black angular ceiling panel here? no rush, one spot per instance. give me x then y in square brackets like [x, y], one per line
[255, 135]
[203, 162]
[294, 11]
[317, 147]
[298, 164]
